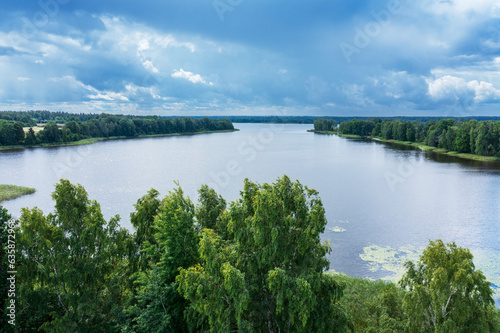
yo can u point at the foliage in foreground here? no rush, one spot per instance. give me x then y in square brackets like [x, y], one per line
[253, 265]
[373, 306]
[445, 293]
[262, 270]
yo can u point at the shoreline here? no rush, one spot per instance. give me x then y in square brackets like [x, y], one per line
[418, 145]
[89, 141]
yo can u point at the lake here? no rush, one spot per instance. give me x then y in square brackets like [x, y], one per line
[383, 202]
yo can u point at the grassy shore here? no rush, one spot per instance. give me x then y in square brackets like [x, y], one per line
[419, 146]
[442, 151]
[350, 136]
[94, 140]
[8, 192]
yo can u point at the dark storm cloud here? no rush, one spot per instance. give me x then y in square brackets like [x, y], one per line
[320, 57]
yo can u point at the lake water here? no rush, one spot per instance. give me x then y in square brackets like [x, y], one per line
[383, 202]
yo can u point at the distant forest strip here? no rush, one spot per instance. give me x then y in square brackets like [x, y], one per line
[59, 127]
[469, 137]
[338, 119]
[30, 118]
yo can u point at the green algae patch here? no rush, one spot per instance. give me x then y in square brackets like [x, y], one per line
[488, 261]
[387, 259]
[337, 229]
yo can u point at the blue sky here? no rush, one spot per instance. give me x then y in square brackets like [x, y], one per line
[242, 57]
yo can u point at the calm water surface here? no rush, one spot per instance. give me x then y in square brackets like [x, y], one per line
[383, 202]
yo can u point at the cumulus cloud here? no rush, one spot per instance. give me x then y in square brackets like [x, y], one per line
[88, 91]
[149, 66]
[485, 91]
[485, 8]
[135, 56]
[457, 90]
[191, 77]
[108, 96]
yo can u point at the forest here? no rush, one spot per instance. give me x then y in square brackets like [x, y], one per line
[64, 127]
[470, 136]
[256, 264]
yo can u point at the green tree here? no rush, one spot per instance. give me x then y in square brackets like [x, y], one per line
[51, 133]
[146, 209]
[8, 135]
[158, 307]
[410, 131]
[432, 138]
[19, 133]
[462, 140]
[73, 265]
[30, 138]
[401, 131]
[4, 286]
[377, 131]
[127, 127]
[373, 306]
[445, 293]
[325, 125]
[267, 274]
[210, 208]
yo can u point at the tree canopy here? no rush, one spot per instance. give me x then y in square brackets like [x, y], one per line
[445, 293]
[256, 264]
[266, 273]
[471, 136]
[65, 127]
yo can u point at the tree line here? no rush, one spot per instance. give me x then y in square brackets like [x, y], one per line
[325, 125]
[471, 136]
[105, 125]
[254, 265]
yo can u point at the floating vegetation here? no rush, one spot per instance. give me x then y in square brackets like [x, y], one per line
[390, 260]
[488, 261]
[336, 229]
[385, 258]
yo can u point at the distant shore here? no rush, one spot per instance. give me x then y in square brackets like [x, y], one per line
[94, 140]
[419, 146]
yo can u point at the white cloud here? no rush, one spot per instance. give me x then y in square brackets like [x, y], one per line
[142, 93]
[485, 91]
[168, 40]
[22, 79]
[67, 42]
[149, 66]
[143, 45]
[191, 77]
[468, 8]
[455, 89]
[90, 92]
[109, 96]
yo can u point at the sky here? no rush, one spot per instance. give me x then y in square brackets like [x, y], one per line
[259, 57]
